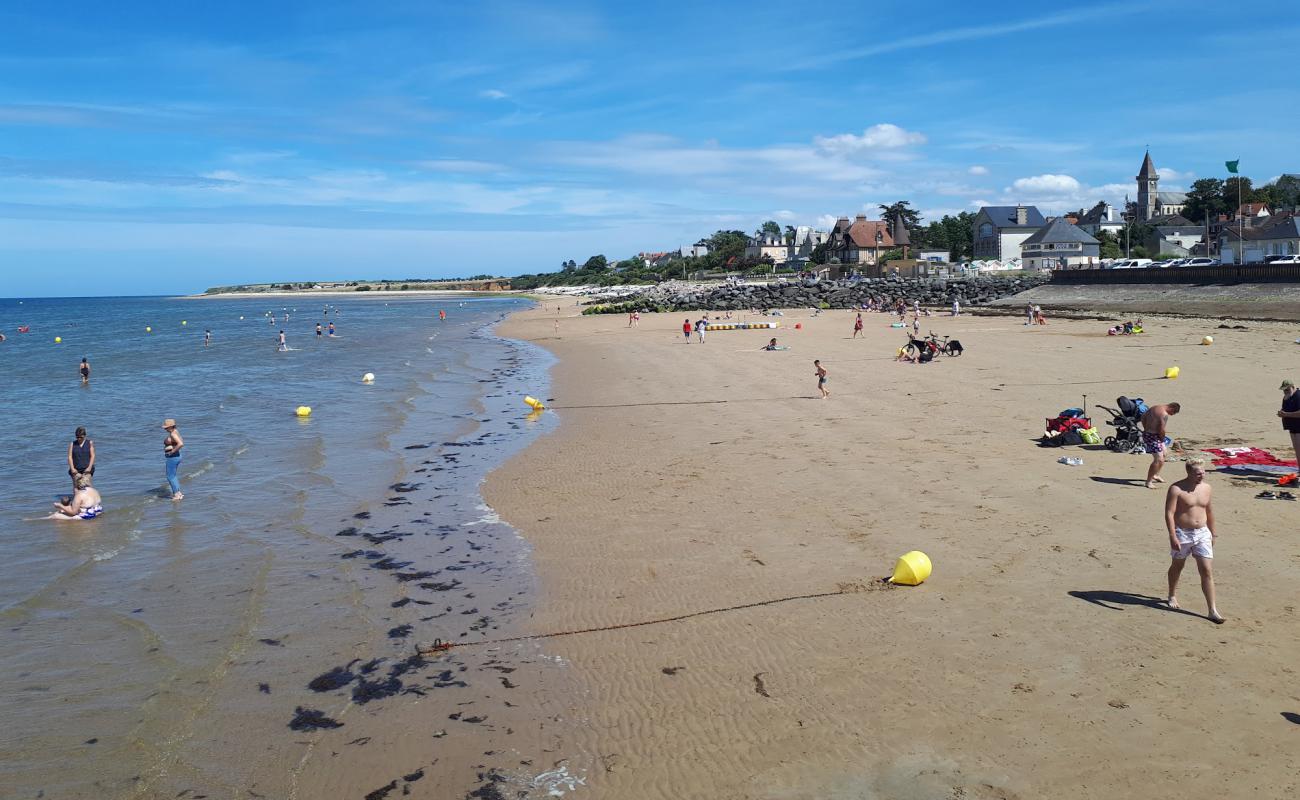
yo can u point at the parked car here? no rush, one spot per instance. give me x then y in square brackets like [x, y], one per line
[1292, 259]
[1200, 262]
[1131, 263]
[1173, 262]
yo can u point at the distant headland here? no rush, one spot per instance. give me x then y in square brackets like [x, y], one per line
[478, 283]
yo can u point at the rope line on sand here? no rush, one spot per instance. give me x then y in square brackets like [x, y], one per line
[440, 646]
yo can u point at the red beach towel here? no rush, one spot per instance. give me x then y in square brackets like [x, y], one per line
[1233, 456]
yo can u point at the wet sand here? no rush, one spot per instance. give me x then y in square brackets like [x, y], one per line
[1036, 662]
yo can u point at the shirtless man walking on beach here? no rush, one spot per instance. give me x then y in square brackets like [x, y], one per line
[1189, 519]
[822, 377]
[1154, 423]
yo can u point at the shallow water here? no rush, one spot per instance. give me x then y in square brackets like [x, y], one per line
[166, 646]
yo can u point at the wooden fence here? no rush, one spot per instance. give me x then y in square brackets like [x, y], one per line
[1253, 273]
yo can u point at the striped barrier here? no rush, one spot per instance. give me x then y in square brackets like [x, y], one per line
[741, 326]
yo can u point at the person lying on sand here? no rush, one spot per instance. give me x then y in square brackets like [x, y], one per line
[85, 503]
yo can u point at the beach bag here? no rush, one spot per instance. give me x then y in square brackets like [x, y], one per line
[1090, 436]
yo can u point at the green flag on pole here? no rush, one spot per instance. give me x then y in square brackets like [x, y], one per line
[1232, 165]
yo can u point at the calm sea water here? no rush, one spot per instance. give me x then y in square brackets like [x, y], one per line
[122, 636]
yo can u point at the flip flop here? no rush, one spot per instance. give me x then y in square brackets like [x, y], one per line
[1266, 495]
[1285, 496]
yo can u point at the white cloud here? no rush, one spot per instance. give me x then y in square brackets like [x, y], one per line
[978, 170]
[785, 215]
[1169, 174]
[1047, 184]
[493, 94]
[885, 136]
[827, 221]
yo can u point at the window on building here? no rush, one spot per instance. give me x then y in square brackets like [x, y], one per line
[986, 230]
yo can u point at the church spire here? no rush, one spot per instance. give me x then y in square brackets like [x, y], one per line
[1148, 171]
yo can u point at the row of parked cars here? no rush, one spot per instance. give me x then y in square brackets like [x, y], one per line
[1200, 261]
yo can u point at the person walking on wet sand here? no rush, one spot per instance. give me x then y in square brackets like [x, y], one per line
[857, 325]
[81, 457]
[85, 372]
[1189, 520]
[172, 445]
[1154, 423]
[822, 377]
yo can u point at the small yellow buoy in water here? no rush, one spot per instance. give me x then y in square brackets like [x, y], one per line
[185, 322]
[58, 340]
[241, 317]
[912, 569]
[1171, 372]
[369, 377]
[1208, 340]
[303, 411]
[533, 403]
[148, 329]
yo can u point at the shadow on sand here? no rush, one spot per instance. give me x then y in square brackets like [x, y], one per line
[1107, 598]
[1138, 482]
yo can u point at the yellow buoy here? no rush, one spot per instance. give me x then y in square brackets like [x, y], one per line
[533, 403]
[241, 317]
[185, 322]
[303, 411]
[912, 569]
[1208, 340]
[369, 377]
[58, 340]
[148, 329]
[1171, 372]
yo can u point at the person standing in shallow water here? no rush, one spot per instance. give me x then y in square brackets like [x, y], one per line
[172, 445]
[81, 457]
[85, 372]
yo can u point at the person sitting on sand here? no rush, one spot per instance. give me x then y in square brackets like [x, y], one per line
[85, 503]
[1154, 423]
[771, 345]
[1189, 519]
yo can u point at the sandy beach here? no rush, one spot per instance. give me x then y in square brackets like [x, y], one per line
[1037, 661]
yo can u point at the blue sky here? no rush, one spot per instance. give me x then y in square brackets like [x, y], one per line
[159, 148]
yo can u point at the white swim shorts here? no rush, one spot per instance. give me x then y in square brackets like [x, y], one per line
[1196, 542]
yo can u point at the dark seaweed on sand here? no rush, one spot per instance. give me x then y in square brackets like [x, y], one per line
[309, 719]
[336, 678]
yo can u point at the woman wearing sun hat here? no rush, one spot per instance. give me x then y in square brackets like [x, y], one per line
[1290, 414]
[172, 455]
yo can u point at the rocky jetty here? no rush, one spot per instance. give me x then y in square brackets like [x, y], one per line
[972, 291]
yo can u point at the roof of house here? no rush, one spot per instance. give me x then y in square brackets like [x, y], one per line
[1172, 198]
[1179, 230]
[1169, 219]
[1148, 171]
[1057, 231]
[1097, 215]
[861, 232]
[1251, 209]
[1278, 226]
[1005, 216]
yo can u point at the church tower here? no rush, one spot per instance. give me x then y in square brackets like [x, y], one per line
[1147, 180]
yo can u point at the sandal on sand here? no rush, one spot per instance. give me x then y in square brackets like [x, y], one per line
[1265, 495]
[1285, 496]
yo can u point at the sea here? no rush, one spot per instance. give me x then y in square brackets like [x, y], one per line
[262, 636]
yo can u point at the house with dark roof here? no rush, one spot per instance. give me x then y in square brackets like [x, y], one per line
[1101, 217]
[861, 241]
[1279, 236]
[1060, 245]
[999, 230]
[1176, 237]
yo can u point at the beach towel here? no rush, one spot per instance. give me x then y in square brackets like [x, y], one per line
[1247, 456]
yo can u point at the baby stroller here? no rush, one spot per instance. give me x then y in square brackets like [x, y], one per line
[1126, 419]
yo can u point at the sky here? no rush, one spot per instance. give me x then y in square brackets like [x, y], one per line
[164, 148]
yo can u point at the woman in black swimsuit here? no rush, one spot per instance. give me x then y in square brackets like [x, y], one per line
[1290, 414]
[81, 457]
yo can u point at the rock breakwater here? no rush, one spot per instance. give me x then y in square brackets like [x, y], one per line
[969, 291]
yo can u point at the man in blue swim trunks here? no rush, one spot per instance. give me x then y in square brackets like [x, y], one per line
[1154, 423]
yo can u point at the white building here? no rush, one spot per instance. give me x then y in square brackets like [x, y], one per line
[999, 231]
